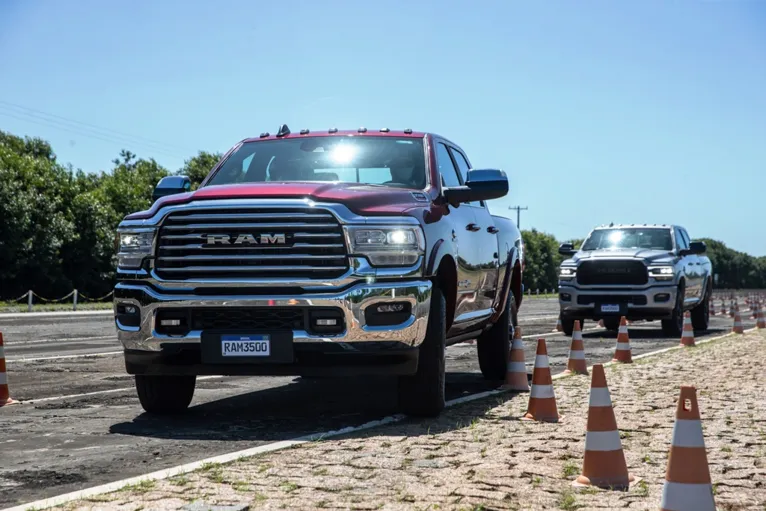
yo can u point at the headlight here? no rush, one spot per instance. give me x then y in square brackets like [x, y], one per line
[661, 272]
[567, 272]
[133, 246]
[387, 246]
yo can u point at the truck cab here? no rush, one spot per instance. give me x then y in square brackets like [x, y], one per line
[328, 253]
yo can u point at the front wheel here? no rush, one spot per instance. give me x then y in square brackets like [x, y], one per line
[612, 324]
[422, 394]
[674, 326]
[165, 394]
[701, 313]
[493, 345]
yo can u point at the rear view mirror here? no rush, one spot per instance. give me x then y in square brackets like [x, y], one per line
[480, 184]
[697, 247]
[171, 185]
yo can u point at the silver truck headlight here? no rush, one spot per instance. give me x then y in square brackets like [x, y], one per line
[661, 272]
[387, 246]
[567, 272]
[133, 246]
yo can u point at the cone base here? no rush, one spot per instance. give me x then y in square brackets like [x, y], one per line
[574, 371]
[527, 417]
[9, 401]
[514, 387]
[622, 361]
[606, 484]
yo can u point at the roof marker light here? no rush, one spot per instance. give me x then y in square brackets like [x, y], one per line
[264, 134]
[304, 132]
[332, 130]
[408, 131]
[362, 130]
[384, 130]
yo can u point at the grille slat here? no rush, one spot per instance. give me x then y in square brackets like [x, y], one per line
[312, 244]
[614, 272]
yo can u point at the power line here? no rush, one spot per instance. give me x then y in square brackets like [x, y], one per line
[518, 214]
[91, 128]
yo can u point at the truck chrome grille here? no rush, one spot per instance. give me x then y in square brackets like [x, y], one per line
[251, 243]
[630, 273]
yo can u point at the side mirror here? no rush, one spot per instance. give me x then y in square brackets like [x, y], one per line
[480, 184]
[171, 185]
[567, 249]
[697, 247]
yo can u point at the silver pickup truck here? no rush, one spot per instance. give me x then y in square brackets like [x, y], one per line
[645, 272]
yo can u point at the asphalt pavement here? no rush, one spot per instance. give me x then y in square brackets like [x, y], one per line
[79, 423]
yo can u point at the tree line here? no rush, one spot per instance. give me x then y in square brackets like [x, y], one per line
[57, 223]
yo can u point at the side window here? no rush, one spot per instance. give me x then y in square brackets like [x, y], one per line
[680, 241]
[446, 168]
[462, 165]
[687, 239]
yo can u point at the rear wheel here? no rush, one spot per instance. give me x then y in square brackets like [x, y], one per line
[701, 313]
[422, 394]
[165, 394]
[674, 326]
[493, 345]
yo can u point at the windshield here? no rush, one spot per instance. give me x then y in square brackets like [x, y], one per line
[388, 161]
[649, 238]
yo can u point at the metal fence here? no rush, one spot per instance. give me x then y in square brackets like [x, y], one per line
[74, 295]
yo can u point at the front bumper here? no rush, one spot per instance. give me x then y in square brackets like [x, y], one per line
[651, 302]
[352, 303]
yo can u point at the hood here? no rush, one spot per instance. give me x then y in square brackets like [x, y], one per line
[647, 255]
[360, 198]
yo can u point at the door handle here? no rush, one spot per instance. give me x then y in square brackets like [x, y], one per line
[472, 227]
[492, 229]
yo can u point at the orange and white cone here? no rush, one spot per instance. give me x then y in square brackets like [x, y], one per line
[542, 400]
[761, 322]
[732, 306]
[687, 479]
[559, 327]
[5, 395]
[516, 371]
[687, 337]
[712, 307]
[737, 328]
[622, 352]
[601, 323]
[723, 307]
[755, 306]
[576, 363]
[604, 464]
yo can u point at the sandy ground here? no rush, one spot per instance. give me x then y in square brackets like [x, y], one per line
[480, 456]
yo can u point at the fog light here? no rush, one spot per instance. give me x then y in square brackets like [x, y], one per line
[387, 314]
[128, 315]
[391, 307]
[662, 297]
[565, 297]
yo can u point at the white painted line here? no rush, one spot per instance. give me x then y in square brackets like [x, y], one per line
[61, 340]
[95, 393]
[15, 315]
[61, 357]
[535, 336]
[276, 446]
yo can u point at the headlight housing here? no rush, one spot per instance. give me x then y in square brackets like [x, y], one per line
[133, 245]
[661, 272]
[393, 245]
[567, 272]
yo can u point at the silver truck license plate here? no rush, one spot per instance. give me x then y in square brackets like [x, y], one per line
[245, 346]
[610, 308]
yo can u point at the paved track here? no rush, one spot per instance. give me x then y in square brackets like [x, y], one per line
[52, 446]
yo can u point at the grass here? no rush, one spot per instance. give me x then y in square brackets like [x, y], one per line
[642, 489]
[16, 307]
[288, 486]
[140, 487]
[567, 500]
[571, 469]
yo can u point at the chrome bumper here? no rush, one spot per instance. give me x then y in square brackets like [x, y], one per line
[352, 302]
[589, 297]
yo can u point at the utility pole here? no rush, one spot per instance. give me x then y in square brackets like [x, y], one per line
[518, 214]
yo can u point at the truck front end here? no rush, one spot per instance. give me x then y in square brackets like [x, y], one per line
[298, 255]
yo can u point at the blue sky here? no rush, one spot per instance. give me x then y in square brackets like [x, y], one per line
[599, 111]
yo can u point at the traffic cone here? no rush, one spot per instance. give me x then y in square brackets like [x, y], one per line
[737, 328]
[542, 400]
[687, 337]
[723, 307]
[734, 305]
[687, 479]
[576, 363]
[761, 322]
[604, 462]
[516, 372]
[622, 351]
[5, 395]
[755, 306]
[712, 307]
[559, 328]
[601, 323]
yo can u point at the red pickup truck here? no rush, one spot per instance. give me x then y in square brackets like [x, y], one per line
[319, 253]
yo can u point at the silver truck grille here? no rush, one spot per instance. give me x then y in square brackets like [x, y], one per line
[615, 272]
[250, 243]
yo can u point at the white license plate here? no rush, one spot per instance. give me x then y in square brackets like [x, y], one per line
[245, 346]
[610, 308]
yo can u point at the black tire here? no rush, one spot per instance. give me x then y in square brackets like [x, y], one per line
[567, 325]
[674, 326]
[612, 324]
[165, 394]
[701, 313]
[422, 394]
[493, 345]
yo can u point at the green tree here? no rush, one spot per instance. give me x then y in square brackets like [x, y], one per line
[199, 166]
[542, 260]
